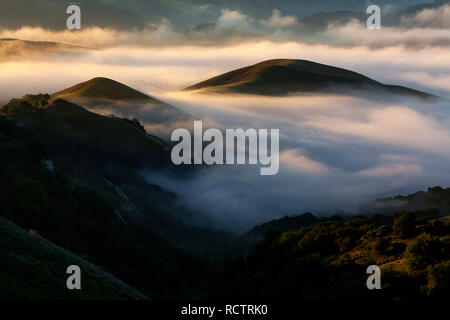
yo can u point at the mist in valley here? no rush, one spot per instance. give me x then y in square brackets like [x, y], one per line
[337, 152]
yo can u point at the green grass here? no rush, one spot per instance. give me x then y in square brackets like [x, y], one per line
[99, 88]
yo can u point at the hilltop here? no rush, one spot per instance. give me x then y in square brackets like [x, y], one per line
[101, 88]
[288, 76]
[106, 96]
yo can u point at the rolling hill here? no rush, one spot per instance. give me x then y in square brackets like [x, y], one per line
[65, 119]
[106, 96]
[75, 178]
[51, 14]
[102, 88]
[287, 76]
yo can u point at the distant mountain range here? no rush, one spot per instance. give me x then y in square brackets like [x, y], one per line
[287, 76]
[14, 49]
[137, 14]
[51, 14]
[403, 16]
[191, 12]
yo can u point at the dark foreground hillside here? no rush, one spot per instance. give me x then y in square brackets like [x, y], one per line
[73, 177]
[33, 268]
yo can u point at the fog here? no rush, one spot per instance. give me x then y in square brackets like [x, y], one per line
[156, 70]
[337, 153]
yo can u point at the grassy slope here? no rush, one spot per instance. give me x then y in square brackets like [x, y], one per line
[107, 94]
[105, 88]
[283, 76]
[33, 268]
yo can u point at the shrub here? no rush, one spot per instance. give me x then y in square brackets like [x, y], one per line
[404, 225]
[439, 279]
[422, 252]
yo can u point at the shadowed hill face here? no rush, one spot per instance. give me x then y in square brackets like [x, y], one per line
[74, 177]
[102, 88]
[285, 76]
[26, 257]
[62, 118]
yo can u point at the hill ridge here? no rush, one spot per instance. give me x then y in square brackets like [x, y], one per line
[277, 77]
[102, 88]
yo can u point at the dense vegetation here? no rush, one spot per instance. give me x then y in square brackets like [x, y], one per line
[329, 261]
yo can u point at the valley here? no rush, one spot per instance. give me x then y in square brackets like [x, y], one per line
[193, 154]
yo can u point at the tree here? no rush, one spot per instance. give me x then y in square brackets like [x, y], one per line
[439, 279]
[404, 225]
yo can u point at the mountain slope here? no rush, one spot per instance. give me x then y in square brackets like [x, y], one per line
[65, 119]
[75, 178]
[101, 88]
[33, 268]
[285, 76]
[106, 96]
